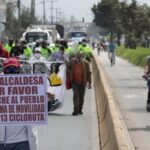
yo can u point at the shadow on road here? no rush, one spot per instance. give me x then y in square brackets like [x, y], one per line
[147, 128]
[57, 114]
[139, 110]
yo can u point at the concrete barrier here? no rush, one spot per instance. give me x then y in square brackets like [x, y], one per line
[113, 131]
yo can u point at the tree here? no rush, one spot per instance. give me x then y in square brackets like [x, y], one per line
[122, 18]
[12, 27]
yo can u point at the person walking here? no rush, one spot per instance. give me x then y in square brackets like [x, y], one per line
[80, 75]
[3, 52]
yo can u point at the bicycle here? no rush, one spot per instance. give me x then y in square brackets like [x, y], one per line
[112, 58]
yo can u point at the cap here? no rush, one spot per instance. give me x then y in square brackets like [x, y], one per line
[11, 62]
[37, 49]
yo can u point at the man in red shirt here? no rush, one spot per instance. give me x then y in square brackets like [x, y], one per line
[80, 74]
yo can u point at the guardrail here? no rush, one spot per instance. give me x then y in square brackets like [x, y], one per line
[112, 128]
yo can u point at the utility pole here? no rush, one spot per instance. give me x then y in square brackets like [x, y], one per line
[19, 13]
[60, 16]
[32, 11]
[56, 15]
[52, 1]
[44, 14]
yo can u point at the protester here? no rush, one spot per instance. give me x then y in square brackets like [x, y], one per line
[10, 44]
[3, 52]
[26, 50]
[147, 77]
[80, 74]
[14, 137]
[37, 56]
[17, 51]
[87, 51]
[55, 47]
[60, 55]
[21, 137]
[37, 44]
[68, 49]
[45, 51]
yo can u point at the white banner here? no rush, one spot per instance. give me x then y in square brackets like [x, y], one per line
[57, 81]
[23, 99]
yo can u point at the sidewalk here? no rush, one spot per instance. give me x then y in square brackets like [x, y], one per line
[67, 132]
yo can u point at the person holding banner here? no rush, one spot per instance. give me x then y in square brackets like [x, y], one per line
[80, 74]
[14, 137]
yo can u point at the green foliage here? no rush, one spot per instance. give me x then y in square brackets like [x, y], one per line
[136, 57]
[12, 26]
[120, 18]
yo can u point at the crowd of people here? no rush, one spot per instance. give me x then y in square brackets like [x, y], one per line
[24, 137]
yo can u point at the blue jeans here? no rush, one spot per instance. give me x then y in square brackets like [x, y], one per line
[15, 146]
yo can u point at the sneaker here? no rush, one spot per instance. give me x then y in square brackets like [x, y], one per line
[53, 105]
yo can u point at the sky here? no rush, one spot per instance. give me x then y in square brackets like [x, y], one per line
[77, 8]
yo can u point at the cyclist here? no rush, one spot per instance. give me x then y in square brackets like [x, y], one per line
[147, 77]
[111, 51]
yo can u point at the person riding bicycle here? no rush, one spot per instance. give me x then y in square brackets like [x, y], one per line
[146, 76]
[111, 50]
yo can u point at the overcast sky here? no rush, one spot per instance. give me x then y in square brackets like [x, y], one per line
[78, 8]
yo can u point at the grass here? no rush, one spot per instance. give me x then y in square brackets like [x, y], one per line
[135, 56]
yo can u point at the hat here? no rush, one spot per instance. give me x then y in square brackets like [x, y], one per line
[37, 49]
[11, 62]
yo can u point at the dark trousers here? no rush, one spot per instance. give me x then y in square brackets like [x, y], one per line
[148, 94]
[78, 96]
[15, 146]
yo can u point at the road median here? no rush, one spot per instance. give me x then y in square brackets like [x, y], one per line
[112, 128]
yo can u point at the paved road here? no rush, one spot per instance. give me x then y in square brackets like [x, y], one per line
[130, 91]
[67, 132]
